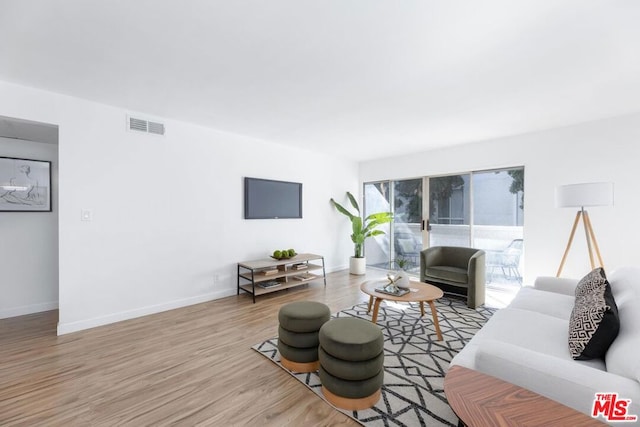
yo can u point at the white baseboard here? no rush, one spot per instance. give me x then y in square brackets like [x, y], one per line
[67, 328]
[28, 309]
[336, 268]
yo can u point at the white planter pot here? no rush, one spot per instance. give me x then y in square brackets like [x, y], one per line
[401, 279]
[357, 266]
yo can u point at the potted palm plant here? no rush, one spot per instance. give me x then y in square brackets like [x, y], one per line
[361, 229]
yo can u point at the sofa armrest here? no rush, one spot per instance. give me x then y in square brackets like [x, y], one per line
[569, 382]
[556, 284]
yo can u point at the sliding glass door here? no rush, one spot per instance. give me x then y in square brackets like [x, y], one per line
[450, 211]
[402, 242]
[483, 209]
[407, 224]
[377, 198]
[498, 218]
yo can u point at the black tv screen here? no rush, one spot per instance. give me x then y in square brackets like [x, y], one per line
[266, 198]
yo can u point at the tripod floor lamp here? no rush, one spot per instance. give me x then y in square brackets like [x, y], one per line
[581, 196]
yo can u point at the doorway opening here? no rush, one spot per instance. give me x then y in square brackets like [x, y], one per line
[29, 260]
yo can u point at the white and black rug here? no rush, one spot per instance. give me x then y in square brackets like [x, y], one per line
[415, 362]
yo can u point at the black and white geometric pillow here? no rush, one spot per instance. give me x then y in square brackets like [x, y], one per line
[592, 282]
[594, 322]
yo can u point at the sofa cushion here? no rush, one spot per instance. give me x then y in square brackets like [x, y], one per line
[527, 329]
[622, 357]
[594, 322]
[558, 285]
[451, 274]
[550, 303]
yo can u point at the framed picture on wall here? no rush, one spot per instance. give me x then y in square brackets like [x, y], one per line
[25, 185]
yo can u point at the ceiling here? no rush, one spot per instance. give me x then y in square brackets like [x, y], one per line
[358, 78]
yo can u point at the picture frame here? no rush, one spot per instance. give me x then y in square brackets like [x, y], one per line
[25, 185]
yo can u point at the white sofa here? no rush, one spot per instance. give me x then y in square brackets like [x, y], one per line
[526, 344]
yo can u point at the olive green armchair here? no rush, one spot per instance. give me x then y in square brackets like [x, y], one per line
[455, 270]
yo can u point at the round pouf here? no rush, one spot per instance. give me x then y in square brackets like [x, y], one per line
[351, 362]
[300, 322]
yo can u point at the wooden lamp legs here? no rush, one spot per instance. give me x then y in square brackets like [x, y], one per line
[592, 243]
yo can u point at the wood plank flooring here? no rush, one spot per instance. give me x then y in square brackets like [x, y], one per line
[190, 366]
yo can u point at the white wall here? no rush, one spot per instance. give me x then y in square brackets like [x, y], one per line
[29, 243]
[167, 226]
[605, 150]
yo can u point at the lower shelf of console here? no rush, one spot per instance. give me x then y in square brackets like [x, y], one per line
[290, 283]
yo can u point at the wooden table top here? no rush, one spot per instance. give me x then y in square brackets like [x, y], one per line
[272, 262]
[482, 400]
[419, 291]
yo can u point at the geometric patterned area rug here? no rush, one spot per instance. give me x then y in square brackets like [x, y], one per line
[415, 363]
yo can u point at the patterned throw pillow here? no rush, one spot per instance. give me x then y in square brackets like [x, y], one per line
[594, 322]
[592, 282]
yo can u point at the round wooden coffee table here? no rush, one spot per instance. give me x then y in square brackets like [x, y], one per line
[420, 292]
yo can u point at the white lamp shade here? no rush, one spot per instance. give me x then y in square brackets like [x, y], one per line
[582, 195]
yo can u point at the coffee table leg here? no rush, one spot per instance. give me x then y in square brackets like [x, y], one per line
[370, 302]
[421, 308]
[376, 307]
[434, 313]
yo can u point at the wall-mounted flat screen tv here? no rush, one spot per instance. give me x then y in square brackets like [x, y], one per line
[268, 199]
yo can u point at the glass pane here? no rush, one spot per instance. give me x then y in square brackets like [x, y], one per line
[498, 208]
[498, 197]
[407, 225]
[449, 211]
[377, 248]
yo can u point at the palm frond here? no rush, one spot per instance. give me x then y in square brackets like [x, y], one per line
[353, 201]
[342, 210]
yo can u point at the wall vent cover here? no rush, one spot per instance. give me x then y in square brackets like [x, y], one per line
[147, 126]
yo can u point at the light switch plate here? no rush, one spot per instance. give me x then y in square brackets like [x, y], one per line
[86, 215]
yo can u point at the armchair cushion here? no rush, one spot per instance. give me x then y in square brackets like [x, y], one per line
[443, 272]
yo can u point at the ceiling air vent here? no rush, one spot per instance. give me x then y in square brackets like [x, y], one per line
[156, 128]
[142, 125]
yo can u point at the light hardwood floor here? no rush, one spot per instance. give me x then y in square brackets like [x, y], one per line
[190, 366]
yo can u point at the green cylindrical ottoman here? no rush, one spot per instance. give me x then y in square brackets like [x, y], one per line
[300, 322]
[351, 362]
